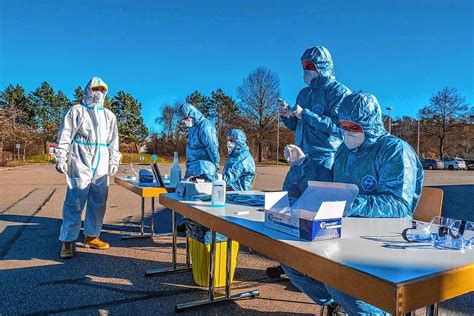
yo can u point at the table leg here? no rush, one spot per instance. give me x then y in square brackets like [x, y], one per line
[152, 216]
[432, 310]
[173, 268]
[211, 299]
[142, 233]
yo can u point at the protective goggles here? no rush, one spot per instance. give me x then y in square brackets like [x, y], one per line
[308, 65]
[351, 127]
[442, 232]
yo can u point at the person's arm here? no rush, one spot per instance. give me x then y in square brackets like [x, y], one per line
[210, 142]
[290, 122]
[65, 135]
[328, 124]
[398, 183]
[113, 144]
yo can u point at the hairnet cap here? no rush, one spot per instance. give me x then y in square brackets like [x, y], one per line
[321, 57]
[98, 82]
[239, 136]
[363, 109]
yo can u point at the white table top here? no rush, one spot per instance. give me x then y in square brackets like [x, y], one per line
[363, 245]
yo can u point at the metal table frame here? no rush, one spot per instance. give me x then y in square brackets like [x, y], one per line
[397, 297]
[144, 192]
[211, 299]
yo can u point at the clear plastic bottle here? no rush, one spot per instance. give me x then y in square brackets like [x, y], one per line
[175, 172]
[218, 191]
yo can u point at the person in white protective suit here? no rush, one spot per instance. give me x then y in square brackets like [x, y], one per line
[87, 152]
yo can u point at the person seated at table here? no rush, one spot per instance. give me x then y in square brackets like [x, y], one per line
[239, 173]
[389, 176]
[239, 170]
[202, 149]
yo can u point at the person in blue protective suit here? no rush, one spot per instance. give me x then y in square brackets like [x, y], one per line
[239, 170]
[239, 173]
[87, 152]
[202, 149]
[389, 176]
[314, 118]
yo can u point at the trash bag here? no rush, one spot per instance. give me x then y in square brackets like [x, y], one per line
[201, 233]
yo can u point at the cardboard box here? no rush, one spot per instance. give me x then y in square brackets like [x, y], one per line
[188, 188]
[316, 215]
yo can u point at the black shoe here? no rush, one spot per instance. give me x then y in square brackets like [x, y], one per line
[335, 309]
[275, 272]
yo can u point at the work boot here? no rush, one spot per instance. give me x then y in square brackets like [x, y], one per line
[66, 250]
[95, 242]
[335, 309]
[275, 272]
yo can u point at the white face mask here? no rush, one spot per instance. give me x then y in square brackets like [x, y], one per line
[230, 146]
[353, 140]
[188, 122]
[309, 75]
[98, 97]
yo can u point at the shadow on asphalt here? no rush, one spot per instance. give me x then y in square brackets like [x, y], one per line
[95, 280]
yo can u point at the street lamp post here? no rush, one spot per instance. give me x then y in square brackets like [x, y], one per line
[418, 139]
[390, 108]
[278, 135]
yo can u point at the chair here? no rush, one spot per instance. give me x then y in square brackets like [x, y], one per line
[430, 204]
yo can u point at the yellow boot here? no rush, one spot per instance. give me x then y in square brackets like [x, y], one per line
[95, 242]
[66, 250]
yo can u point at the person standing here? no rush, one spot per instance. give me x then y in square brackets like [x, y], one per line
[88, 153]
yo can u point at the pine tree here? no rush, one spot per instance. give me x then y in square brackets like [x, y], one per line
[130, 122]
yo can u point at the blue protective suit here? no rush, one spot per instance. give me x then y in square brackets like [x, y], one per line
[385, 168]
[389, 176]
[317, 132]
[239, 170]
[202, 149]
[88, 141]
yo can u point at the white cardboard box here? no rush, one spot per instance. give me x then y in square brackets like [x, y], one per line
[316, 215]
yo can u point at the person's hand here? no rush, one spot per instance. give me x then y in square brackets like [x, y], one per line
[296, 111]
[61, 166]
[113, 170]
[294, 155]
[284, 108]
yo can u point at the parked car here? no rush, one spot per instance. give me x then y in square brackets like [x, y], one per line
[469, 163]
[432, 164]
[454, 163]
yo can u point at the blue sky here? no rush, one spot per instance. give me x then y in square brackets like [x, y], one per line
[160, 51]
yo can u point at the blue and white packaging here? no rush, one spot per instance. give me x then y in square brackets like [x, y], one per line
[316, 215]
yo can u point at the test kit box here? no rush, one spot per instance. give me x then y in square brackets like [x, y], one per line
[316, 215]
[188, 188]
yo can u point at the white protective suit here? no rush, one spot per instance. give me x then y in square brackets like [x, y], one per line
[88, 141]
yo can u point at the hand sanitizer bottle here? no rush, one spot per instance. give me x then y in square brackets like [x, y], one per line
[175, 172]
[218, 191]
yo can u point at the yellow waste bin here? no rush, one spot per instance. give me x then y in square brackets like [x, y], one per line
[200, 259]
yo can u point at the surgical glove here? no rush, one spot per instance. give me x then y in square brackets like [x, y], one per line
[284, 108]
[61, 166]
[296, 111]
[294, 155]
[113, 170]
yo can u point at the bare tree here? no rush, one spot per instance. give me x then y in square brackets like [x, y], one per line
[259, 93]
[445, 117]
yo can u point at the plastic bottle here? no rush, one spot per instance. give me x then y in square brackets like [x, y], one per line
[175, 172]
[218, 191]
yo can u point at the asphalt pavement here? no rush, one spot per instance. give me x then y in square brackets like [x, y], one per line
[34, 280]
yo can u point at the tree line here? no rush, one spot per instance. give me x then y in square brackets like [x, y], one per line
[33, 119]
[444, 127]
